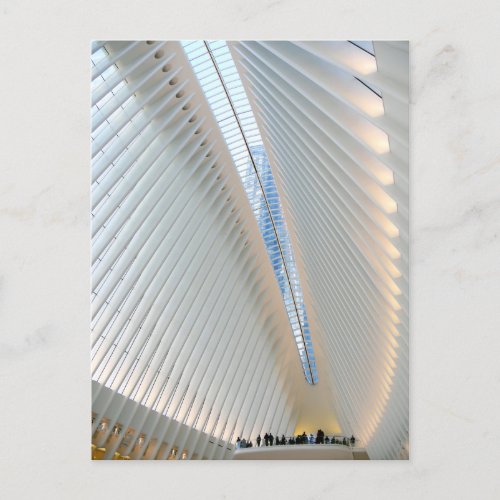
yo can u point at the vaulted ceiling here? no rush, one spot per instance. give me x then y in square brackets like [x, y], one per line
[193, 341]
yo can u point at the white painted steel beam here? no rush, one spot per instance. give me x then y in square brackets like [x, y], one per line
[334, 120]
[190, 337]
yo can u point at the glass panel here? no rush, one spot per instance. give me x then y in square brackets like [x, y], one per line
[226, 95]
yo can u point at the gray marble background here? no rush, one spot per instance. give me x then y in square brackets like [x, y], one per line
[44, 248]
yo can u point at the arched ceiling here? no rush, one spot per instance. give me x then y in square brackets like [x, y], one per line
[334, 118]
[188, 320]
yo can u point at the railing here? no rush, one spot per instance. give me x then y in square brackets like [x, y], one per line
[334, 440]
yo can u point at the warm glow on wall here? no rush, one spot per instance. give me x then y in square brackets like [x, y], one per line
[394, 303]
[374, 137]
[392, 351]
[391, 250]
[391, 338]
[382, 172]
[367, 101]
[395, 272]
[389, 369]
[394, 317]
[362, 63]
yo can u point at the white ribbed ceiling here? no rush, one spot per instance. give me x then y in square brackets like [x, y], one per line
[190, 337]
[334, 118]
[191, 343]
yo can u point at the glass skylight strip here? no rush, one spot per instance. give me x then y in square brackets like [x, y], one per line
[225, 93]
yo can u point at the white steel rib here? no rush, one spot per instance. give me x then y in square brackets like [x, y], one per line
[188, 343]
[334, 119]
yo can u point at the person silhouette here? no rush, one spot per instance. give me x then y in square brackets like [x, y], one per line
[258, 440]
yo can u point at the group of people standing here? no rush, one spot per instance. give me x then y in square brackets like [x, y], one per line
[270, 440]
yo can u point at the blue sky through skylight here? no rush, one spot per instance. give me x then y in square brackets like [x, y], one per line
[219, 78]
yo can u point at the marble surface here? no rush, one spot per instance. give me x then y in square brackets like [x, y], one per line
[455, 257]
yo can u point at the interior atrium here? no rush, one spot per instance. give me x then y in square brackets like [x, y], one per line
[249, 250]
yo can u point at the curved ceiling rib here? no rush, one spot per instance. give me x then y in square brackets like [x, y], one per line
[213, 64]
[334, 119]
[187, 320]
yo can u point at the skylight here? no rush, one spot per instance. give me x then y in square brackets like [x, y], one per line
[214, 66]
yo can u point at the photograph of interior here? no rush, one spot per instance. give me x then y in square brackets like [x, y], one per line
[249, 208]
